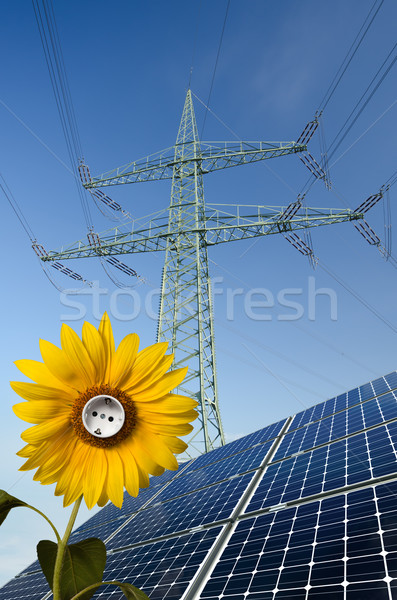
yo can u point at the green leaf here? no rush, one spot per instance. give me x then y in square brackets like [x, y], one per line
[131, 592]
[8, 502]
[83, 565]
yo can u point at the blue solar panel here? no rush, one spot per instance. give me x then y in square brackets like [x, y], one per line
[130, 505]
[29, 587]
[346, 400]
[163, 570]
[300, 532]
[355, 459]
[248, 441]
[228, 467]
[361, 416]
[315, 550]
[199, 508]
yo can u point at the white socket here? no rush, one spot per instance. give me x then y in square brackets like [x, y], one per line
[103, 416]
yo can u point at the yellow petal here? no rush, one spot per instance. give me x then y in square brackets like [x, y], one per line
[144, 462]
[106, 333]
[169, 429]
[39, 372]
[103, 498]
[93, 344]
[34, 391]
[146, 363]
[168, 419]
[77, 355]
[124, 359]
[60, 366]
[156, 449]
[47, 450]
[115, 477]
[168, 382]
[41, 433]
[156, 374]
[174, 444]
[131, 475]
[128, 452]
[54, 463]
[95, 475]
[27, 451]
[70, 482]
[170, 403]
[41, 410]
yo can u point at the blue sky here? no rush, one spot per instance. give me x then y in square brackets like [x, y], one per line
[128, 66]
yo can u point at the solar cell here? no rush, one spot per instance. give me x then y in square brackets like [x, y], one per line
[315, 550]
[163, 570]
[199, 508]
[29, 587]
[357, 418]
[355, 459]
[130, 505]
[346, 400]
[223, 469]
[248, 441]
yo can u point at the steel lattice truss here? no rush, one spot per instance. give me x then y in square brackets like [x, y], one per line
[185, 233]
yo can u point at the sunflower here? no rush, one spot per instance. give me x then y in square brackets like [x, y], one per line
[104, 418]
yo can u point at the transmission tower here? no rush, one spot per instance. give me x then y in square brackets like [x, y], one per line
[186, 311]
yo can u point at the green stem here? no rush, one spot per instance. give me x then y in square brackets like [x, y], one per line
[47, 519]
[94, 586]
[56, 584]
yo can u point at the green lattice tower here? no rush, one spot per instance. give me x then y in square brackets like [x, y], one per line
[186, 314]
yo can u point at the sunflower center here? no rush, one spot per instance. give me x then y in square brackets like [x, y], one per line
[103, 416]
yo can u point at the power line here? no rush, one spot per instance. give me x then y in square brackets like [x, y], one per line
[358, 297]
[351, 119]
[335, 82]
[16, 208]
[49, 37]
[216, 64]
[350, 55]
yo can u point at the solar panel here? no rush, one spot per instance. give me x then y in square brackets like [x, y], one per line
[337, 547]
[305, 509]
[205, 506]
[361, 394]
[164, 569]
[353, 420]
[29, 587]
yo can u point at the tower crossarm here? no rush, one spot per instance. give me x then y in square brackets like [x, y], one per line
[114, 242]
[210, 156]
[239, 222]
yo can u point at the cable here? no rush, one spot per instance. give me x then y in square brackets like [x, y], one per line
[353, 49]
[216, 64]
[46, 23]
[358, 297]
[240, 359]
[17, 209]
[347, 124]
[360, 105]
[278, 354]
